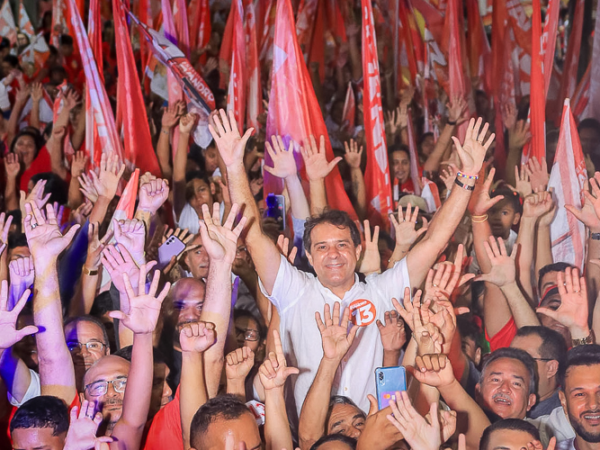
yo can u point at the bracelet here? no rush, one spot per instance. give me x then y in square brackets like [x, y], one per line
[595, 236]
[479, 219]
[468, 177]
[91, 273]
[585, 341]
[164, 131]
[463, 185]
[451, 123]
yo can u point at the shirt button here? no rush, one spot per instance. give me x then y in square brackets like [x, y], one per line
[346, 389]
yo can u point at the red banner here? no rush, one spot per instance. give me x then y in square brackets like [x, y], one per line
[95, 36]
[201, 28]
[294, 111]
[100, 130]
[349, 113]
[480, 52]
[537, 148]
[138, 149]
[548, 43]
[25, 25]
[181, 26]
[307, 14]
[377, 174]
[255, 98]
[569, 76]
[236, 92]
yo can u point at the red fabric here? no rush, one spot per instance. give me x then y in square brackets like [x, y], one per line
[236, 93]
[377, 173]
[255, 98]
[165, 431]
[504, 337]
[225, 52]
[181, 25]
[480, 53]
[40, 164]
[569, 77]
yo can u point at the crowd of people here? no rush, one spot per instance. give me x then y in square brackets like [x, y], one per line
[210, 317]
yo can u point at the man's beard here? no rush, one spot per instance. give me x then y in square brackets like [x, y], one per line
[593, 438]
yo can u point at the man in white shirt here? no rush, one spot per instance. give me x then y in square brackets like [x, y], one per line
[332, 245]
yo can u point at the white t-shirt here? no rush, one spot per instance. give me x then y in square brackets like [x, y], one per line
[556, 424]
[298, 295]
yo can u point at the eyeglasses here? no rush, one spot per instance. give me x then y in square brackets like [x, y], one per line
[249, 335]
[543, 359]
[99, 388]
[92, 346]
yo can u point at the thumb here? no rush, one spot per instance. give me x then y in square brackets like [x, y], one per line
[71, 233]
[26, 331]
[334, 163]
[117, 315]
[482, 277]
[373, 406]
[291, 371]
[576, 212]
[271, 170]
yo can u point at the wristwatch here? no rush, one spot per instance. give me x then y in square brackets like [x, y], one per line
[89, 272]
[584, 341]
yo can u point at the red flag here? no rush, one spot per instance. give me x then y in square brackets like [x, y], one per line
[225, 50]
[594, 90]
[138, 149]
[537, 148]
[95, 36]
[144, 12]
[520, 33]
[480, 53]
[307, 14]
[25, 25]
[316, 53]
[415, 167]
[236, 93]
[255, 98]
[201, 27]
[199, 98]
[8, 28]
[567, 179]
[433, 18]
[33, 58]
[349, 113]
[294, 111]
[549, 40]
[100, 130]
[181, 26]
[569, 76]
[412, 39]
[58, 20]
[268, 32]
[581, 98]
[377, 174]
[126, 206]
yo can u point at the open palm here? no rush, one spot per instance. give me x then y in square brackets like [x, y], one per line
[220, 241]
[334, 334]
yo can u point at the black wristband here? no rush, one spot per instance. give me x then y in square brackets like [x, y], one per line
[595, 236]
[449, 122]
[463, 185]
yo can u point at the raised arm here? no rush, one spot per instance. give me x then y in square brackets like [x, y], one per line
[353, 158]
[186, 124]
[15, 114]
[442, 227]
[284, 166]
[231, 148]
[46, 243]
[103, 186]
[405, 232]
[195, 339]
[77, 169]
[140, 316]
[336, 342]
[273, 372]
[11, 191]
[37, 94]
[220, 242]
[503, 275]
[169, 120]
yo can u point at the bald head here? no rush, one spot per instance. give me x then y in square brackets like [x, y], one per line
[185, 301]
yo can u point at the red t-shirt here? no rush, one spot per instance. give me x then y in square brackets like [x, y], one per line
[40, 164]
[165, 431]
[504, 337]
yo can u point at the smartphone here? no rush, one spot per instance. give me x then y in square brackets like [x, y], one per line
[389, 380]
[276, 209]
[173, 246]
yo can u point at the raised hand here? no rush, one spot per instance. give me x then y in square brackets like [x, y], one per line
[481, 202]
[83, 428]
[371, 260]
[82, 212]
[503, 266]
[153, 195]
[456, 110]
[23, 94]
[334, 334]
[405, 225]
[9, 335]
[523, 185]
[5, 223]
[434, 370]
[171, 115]
[589, 214]
[443, 280]
[111, 171]
[416, 430]
[284, 164]
[95, 246]
[12, 166]
[220, 241]
[315, 159]
[537, 205]
[118, 264]
[71, 99]
[274, 370]
[44, 238]
[239, 363]
[78, 164]
[426, 334]
[472, 151]
[519, 135]
[21, 272]
[448, 175]
[393, 333]
[573, 309]
[131, 234]
[538, 174]
[37, 195]
[230, 143]
[353, 155]
[283, 245]
[144, 309]
[197, 337]
[88, 189]
[509, 114]
[187, 123]
[183, 235]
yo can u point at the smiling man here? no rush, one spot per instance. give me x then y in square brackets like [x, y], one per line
[580, 396]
